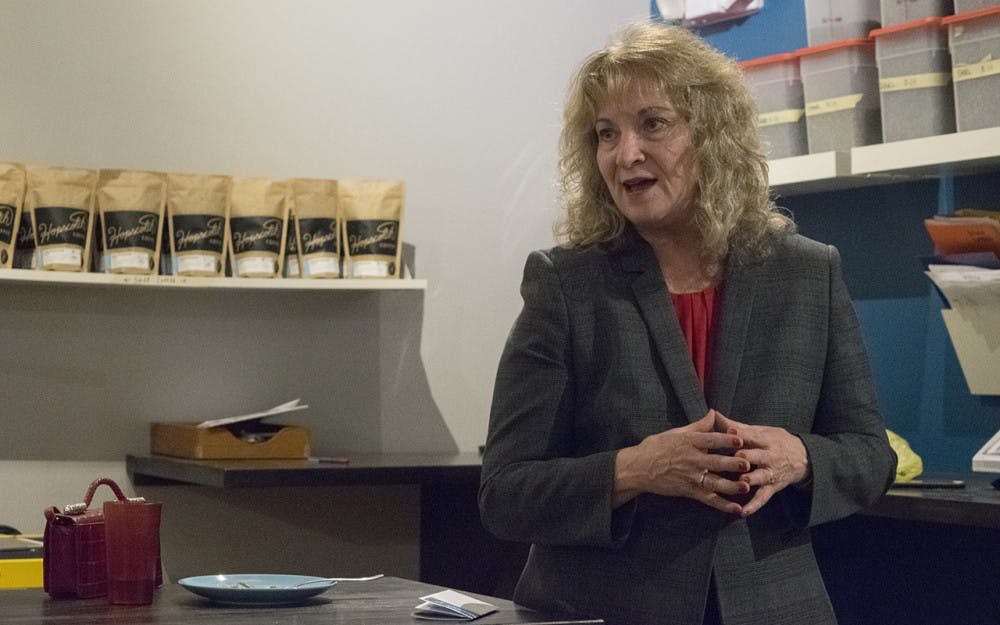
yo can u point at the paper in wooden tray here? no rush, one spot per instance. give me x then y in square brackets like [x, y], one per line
[241, 437]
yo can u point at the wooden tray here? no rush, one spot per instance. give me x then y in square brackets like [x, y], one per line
[186, 440]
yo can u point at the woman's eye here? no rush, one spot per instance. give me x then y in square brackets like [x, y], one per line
[654, 124]
[605, 135]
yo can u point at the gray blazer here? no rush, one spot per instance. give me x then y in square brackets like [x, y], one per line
[596, 361]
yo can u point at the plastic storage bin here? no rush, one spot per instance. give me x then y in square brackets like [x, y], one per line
[974, 41]
[896, 12]
[963, 6]
[840, 85]
[776, 86]
[914, 70]
[833, 20]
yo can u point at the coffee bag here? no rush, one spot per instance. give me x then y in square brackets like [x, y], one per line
[12, 183]
[198, 218]
[24, 244]
[131, 206]
[372, 212]
[317, 220]
[60, 201]
[258, 217]
[291, 246]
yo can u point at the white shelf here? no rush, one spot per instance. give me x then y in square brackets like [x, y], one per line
[959, 153]
[300, 284]
[810, 172]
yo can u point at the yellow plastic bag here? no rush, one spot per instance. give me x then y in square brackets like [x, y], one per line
[909, 464]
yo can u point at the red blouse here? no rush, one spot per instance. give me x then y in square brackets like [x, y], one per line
[696, 314]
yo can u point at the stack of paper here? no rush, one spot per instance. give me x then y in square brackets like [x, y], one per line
[987, 459]
[449, 605]
[972, 321]
[699, 13]
[289, 406]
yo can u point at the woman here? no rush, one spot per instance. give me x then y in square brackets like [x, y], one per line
[686, 389]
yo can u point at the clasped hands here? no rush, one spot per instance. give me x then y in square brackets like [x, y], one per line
[731, 466]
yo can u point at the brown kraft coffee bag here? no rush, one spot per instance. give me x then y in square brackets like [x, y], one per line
[131, 206]
[258, 216]
[372, 212]
[12, 182]
[198, 216]
[60, 201]
[317, 222]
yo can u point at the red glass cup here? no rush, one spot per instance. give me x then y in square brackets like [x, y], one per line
[132, 540]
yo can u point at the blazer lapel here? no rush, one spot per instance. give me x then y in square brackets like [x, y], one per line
[639, 265]
[731, 332]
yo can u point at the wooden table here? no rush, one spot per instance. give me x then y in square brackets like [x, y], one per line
[423, 469]
[386, 601]
[449, 512]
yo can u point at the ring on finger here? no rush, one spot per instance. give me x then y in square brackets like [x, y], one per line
[770, 475]
[701, 482]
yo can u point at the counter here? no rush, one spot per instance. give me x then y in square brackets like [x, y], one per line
[387, 601]
[916, 556]
[977, 504]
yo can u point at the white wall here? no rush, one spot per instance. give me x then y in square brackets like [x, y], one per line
[459, 98]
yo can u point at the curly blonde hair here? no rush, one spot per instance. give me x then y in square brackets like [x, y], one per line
[734, 214]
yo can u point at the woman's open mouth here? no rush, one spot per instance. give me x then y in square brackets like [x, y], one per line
[638, 185]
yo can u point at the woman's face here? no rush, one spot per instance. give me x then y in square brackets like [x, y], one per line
[646, 158]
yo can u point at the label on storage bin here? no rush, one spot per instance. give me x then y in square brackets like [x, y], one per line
[987, 67]
[832, 105]
[774, 118]
[914, 81]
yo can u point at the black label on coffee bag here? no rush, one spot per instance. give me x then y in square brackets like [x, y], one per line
[319, 234]
[61, 225]
[125, 229]
[198, 233]
[6, 223]
[25, 233]
[291, 244]
[255, 234]
[372, 236]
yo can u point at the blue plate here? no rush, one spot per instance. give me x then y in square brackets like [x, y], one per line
[256, 589]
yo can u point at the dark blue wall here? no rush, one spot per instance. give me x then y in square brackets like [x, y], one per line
[879, 232]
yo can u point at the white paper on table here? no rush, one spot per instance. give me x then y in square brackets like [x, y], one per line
[451, 605]
[289, 406]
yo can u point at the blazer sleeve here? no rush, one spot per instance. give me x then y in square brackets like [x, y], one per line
[852, 462]
[533, 487]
